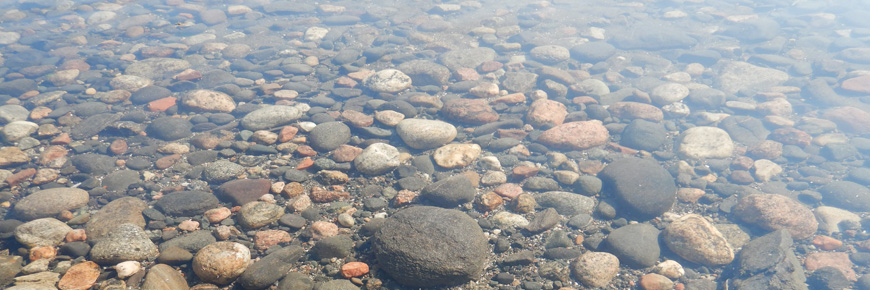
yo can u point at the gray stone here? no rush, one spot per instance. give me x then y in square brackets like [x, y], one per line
[593, 52]
[550, 54]
[695, 239]
[269, 269]
[705, 142]
[17, 130]
[388, 81]
[9, 267]
[41, 232]
[768, 262]
[653, 36]
[847, 195]
[93, 125]
[169, 129]
[149, 94]
[127, 242]
[50, 202]
[12, 113]
[754, 30]
[221, 171]
[425, 72]
[644, 135]
[125, 210]
[270, 117]
[745, 129]
[737, 75]
[427, 246]
[296, 281]
[339, 246]
[120, 180]
[190, 242]
[328, 136]
[467, 58]
[636, 245]
[644, 189]
[156, 67]
[449, 192]
[341, 284]
[520, 82]
[566, 203]
[258, 214]
[377, 159]
[187, 203]
[91, 163]
[543, 221]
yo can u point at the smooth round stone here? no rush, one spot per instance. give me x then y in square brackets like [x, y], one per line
[222, 171]
[257, 214]
[328, 136]
[169, 129]
[222, 262]
[644, 135]
[695, 239]
[47, 232]
[50, 202]
[705, 142]
[388, 81]
[12, 113]
[595, 269]
[164, 277]
[566, 203]
[773, 212]
[16, 130]
[427, 246]
[550, 53]
[668, 93]
[125, 210]
[593, 52]
[149, 94]
[209, 101]
[642, 186]
[377, 159]
[187, 203]
[635, 245]
[846, 195]
[450, 192]
[127, 242]
[425, 134]
[464, 58]
[155, 68]
[270, 116]
[425, 72]
[456, 155]
[830, 218]
[579, 135]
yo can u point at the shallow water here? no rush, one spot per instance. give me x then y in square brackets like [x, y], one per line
[299, 126]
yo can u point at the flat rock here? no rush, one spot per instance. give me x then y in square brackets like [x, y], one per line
[846, 195]
[546, 113]
[269, 269]
[643, 187]
[745, 129]
[125, 210]
[80, 276]
[595, 269]
[773, 212]
[705, 142]
[209, 101]
[830, 218]
[695, 239]
[669, 93]
[635, 245]
[156, 67]
[221, 171]
[593, 52]
[738, 75]
[472, 111]
[169, 129]
[425, 72]
[164, 277]
[242, 191]
[550, 53]
[450, 192]
[190, 242]
[12, 113]
[456, 155]
[91, 163]
[768, 262]
[425, 134]
[849, 119]
[126, 242]
[222, 262]
[187, 203]
[566, 203]
[47, 232]
[635, 110]
[93, 125]
[258, 214]
[12, 156]
[644, 135]
[50, 202]
[388, 81]
[425, 246]
[859, 84]
[270, 116]
[579, 135]
[467, 58]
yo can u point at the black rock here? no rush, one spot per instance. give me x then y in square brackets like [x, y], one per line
[148, 94]
[75, 249]
[269, 269]
[169, 129]
[449, 192]
[644, 135]
[636, 245]
[96, 164]
[644, 189]
[187, 203]
[828, 278]
[768, 262]
[426, 246]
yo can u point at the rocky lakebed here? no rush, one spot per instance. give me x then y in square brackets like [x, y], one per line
[339, 145]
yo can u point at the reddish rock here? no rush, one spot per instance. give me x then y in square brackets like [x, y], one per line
[634, 110]
[217, 215]
[653, 281]
[791, 136]
[774, 211]
[293, 189]
[287, 133]
[161, 105]
[469, 111]
[546, 113]
[767, 149]
[304, 163]
[742, 163]
[489, 201]
[306, 150]
[523, 171]
[20, 176]
[837, 260]
[167, 161]
[76, 235]
[354, 269]
[490, 66]
[466, 74]
[849, 119]
[242, 191]
[576, 135]
[188, 225]
[320, 194]
[42, 252]
[827, 243]
[509, 190]
[584, 100]
[80, 276]
[321, 230]
[188, 75]
[62, 139]
[357, 119]
[118, 147]
[515, 98]
[860, 84]
[345, 153]
[404, 197]
[263, 240]
[156, 51]
[518, 134]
